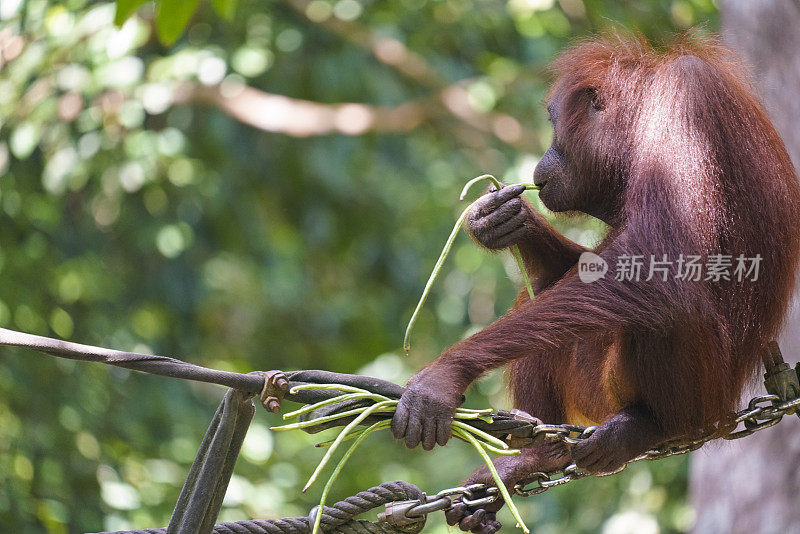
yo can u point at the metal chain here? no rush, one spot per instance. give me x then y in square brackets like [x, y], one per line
[763, 411]
[407, 512]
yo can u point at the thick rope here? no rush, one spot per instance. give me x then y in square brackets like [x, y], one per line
[337, 518]
[157, 365]
[172, 367]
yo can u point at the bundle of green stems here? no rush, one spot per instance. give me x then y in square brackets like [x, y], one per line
[383, 408]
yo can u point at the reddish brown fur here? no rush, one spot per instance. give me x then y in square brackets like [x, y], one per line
[689, 154]
[675, 152]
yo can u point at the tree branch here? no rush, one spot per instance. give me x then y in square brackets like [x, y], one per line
[302, 118]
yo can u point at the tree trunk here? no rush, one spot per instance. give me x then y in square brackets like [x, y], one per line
[752, 485]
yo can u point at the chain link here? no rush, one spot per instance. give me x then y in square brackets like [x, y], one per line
[763, 411]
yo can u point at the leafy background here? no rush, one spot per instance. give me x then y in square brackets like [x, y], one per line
[158, 194]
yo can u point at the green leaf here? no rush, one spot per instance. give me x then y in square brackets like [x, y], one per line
[225, 8]
[172, 18]
[126, 8]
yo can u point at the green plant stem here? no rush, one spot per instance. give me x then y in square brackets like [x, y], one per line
[328, 387]
[521, 265]
[348, 413]
[354, 423]
[379, 426]
[489, 447]
[473, 417]
[514, 249]
[338, 469]
[335, 400]
[434, 274]
[446, 251]
[497, 183]
[481, 434]
[485, 411]
[497, 480]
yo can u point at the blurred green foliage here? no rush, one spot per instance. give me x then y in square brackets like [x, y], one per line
[135, 220]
